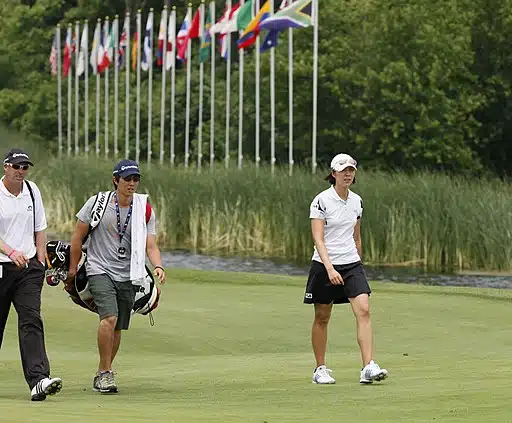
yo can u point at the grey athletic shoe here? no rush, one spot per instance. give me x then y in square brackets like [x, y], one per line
[105, 383]
[46, 386]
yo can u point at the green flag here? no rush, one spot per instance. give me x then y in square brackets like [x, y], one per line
[206, 40]
[244, 16]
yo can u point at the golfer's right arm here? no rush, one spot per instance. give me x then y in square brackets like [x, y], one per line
[77, 239]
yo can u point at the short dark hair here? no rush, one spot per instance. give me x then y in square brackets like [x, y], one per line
[116, 179]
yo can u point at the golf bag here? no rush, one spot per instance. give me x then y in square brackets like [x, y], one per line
[147, 294]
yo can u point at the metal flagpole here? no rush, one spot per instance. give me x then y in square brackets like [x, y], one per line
[257, 96]
[173, 81]
[201, 89]
[86, 87]
[228, 91]
[77, 88]
[315, 84]
[59, 93]
[115, 30]
[106, 28]
[127, 65]
[70, 76]
[240, 101]
[137, 116]
[150, 88]
[187, 111]
[98, 94]
[212, 89]
[290, 100]
[272, 103]
[162, 104]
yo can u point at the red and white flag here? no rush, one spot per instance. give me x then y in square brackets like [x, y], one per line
[53, 56]
[68, 53]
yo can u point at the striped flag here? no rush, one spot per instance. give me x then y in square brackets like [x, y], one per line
[123, 42]
[182, 37]
[53, 57]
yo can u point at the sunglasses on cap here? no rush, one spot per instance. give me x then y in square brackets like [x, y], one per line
[129, 178]
[18, 167]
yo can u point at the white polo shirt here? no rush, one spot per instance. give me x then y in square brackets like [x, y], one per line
[339, 218]
[17, 219]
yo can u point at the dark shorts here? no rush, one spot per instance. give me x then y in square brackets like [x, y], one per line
[113, 299]
[319, 290]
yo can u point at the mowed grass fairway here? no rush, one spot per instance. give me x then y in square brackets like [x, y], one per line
[233, 347]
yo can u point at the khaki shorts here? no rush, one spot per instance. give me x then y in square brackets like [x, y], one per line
[113, 299]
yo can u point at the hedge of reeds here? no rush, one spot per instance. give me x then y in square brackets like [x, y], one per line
[435, 221]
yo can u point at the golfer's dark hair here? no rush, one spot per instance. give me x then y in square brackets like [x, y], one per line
[115, 182]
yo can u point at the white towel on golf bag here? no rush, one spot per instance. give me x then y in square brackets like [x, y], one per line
[139, 235]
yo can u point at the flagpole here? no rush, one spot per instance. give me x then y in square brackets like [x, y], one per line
[290, 100]
[173, 82]
[98, 94]
[150, 89]
[228, 92]
[86, 88]
[212, 90]
[59, 92]
[162, 104]
[240, 101]
[315, 84]
[201, 89]
[137, 116]
[187, 115]
[115, 31]
[70, 73]
[257, 97]
[127, 65]
[77, 92]
[272, 102]
[105, 97]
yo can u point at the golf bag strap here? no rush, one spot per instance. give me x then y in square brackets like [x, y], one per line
[31, 192]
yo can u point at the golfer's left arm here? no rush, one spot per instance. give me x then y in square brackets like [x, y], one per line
[153, 253]
[41, 246]
[357, 239]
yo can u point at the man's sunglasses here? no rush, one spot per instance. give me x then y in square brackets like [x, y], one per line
[18, 167]
[129, 178]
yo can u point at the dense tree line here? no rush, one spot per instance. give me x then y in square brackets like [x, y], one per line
[403, 84]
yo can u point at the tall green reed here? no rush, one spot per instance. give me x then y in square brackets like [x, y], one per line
[430, 220]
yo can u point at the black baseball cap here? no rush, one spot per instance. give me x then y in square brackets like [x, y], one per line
[126, 168]
[17, 156]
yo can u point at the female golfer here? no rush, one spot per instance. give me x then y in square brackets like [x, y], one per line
[337, 275]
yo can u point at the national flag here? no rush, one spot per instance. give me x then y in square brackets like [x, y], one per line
[219, 25]
[68, 53]
[206, 40]
[108, 51]
[123, 42]
[182, 37]
[195, 28]
[147, 54]
[296, 15]
[134, 50]
[94, 51]
[81, 54]
[171, 29]
[249, 36]
[244, 16]
[102, 45]
[54, 56]
[161, 40]
[228, 27]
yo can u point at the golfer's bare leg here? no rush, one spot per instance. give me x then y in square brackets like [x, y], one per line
[115, 347]
[319, 332]
[106, 342]
[361, 310]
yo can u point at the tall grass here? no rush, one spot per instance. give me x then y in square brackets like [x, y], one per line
[430, 220]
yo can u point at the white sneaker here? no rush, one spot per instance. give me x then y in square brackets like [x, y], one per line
[323, 376]
[46, 387]
[372, 372]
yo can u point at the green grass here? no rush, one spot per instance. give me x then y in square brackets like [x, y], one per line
[231, 347]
